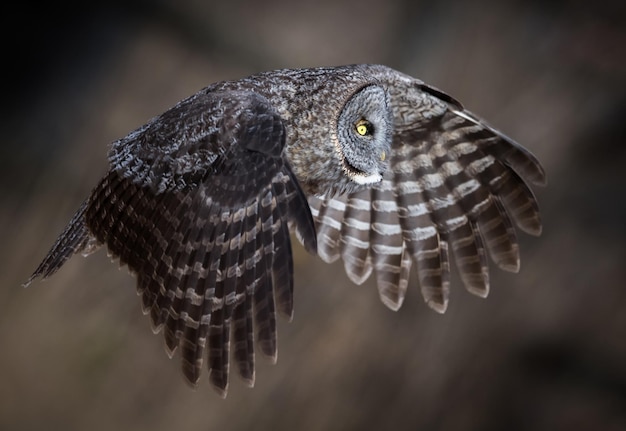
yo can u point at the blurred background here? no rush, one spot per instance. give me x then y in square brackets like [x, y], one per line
[546, 350]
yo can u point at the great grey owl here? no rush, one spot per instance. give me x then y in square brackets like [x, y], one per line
[361, 162]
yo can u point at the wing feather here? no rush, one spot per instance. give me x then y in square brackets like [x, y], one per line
[243, 332]
[329, 218]
[282, 268]
[355, 237]
[387, 248]
[264, 315]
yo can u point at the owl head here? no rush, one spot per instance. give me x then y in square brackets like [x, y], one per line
[363, 135]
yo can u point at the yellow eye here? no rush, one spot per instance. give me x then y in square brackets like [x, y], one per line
[364, 128]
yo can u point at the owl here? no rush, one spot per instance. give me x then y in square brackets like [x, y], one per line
[361, 163]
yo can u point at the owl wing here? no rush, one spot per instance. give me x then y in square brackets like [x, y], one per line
[199, 204]
[453, 187]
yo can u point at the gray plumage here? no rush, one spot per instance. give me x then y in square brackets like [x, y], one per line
[362, 162]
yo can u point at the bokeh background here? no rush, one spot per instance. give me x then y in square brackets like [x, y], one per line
[546, 350]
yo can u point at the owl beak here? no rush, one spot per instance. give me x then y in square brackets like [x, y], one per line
[383, 156]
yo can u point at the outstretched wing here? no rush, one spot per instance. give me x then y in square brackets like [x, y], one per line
[199, 204]
[453, 187]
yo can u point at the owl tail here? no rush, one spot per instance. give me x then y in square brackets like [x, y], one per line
[75, 238]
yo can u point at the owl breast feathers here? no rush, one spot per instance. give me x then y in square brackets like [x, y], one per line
[361, 162]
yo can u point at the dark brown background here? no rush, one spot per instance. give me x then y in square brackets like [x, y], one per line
[547, 350]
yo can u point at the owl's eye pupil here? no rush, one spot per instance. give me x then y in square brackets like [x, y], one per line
[364, 128]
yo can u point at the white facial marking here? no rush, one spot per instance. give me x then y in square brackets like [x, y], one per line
[367, 179]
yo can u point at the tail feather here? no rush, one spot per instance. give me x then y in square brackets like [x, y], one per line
[74, 239]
